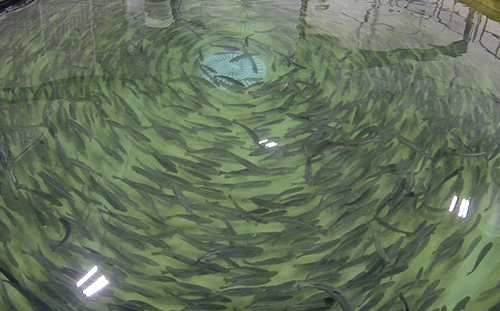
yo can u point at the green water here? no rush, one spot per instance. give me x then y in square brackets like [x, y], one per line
[116, 151]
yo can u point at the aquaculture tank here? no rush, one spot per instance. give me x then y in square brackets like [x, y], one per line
[250, 155]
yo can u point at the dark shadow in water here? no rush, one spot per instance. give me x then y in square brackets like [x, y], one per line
[8, 6]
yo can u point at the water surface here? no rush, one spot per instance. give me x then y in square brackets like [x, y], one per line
[361, 155]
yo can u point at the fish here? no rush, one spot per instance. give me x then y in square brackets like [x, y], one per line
[168, 133]
[198, 174]
[448, 248]
[248, 37]
[270, 91]
[308, 171]
[466, 154]
[234, 251]
[248, 215]
[461, 304]
[209, 73]
[297, 221]
[132, 305]
[336, 294]
[407, 308]
[248, 56]
[492, 291]
[7, 301]
[63, 156]
[140, 186]
[83, 167]
[9, 276]
[199, 95]
[267, 203]
[229, 80]
[55, 184]
[3, 159]
[370, 304]
[331, 144]
[249, 165]
[271, 261]
[31, 297]
[472, 247]
[110, 151]
[246, 280]
[110, 197]
[250, 133]
[184, 201]
[226, 47]
[142, 259]
[412, 146]
[67, 227]
[129, 220]
[136, 289]
[481, 256]
[244, 185]
[211, 266]
[198, 36]
[130, 131]
[4, 232]
[288, 58]
[378, 245]
[242, 56]
[241, 291]
[392, 228]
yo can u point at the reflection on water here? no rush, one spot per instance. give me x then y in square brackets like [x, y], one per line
[339, 156]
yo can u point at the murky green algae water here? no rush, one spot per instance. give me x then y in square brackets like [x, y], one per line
[117, 152]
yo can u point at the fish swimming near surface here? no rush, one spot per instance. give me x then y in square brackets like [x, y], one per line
[481, 256]
[67, 228]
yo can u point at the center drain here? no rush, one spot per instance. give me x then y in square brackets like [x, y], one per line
[233, 69]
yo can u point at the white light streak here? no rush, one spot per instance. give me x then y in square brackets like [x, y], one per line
[87, 276]
[96, 286]
[464, 208]
[271, 144]
[453, 204]
[267, 143]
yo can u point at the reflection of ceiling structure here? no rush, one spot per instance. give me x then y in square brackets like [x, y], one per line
[381, 25]
[490, 8]
[6, 3]
[444, 25]
[7, 6]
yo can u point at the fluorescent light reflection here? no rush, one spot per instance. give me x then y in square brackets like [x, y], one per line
[96, 286]
[464, 208]
[87, 276]
[99, 284]
[453, 204]
[267, 143]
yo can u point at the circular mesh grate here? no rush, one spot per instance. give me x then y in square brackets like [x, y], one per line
[233, 68]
